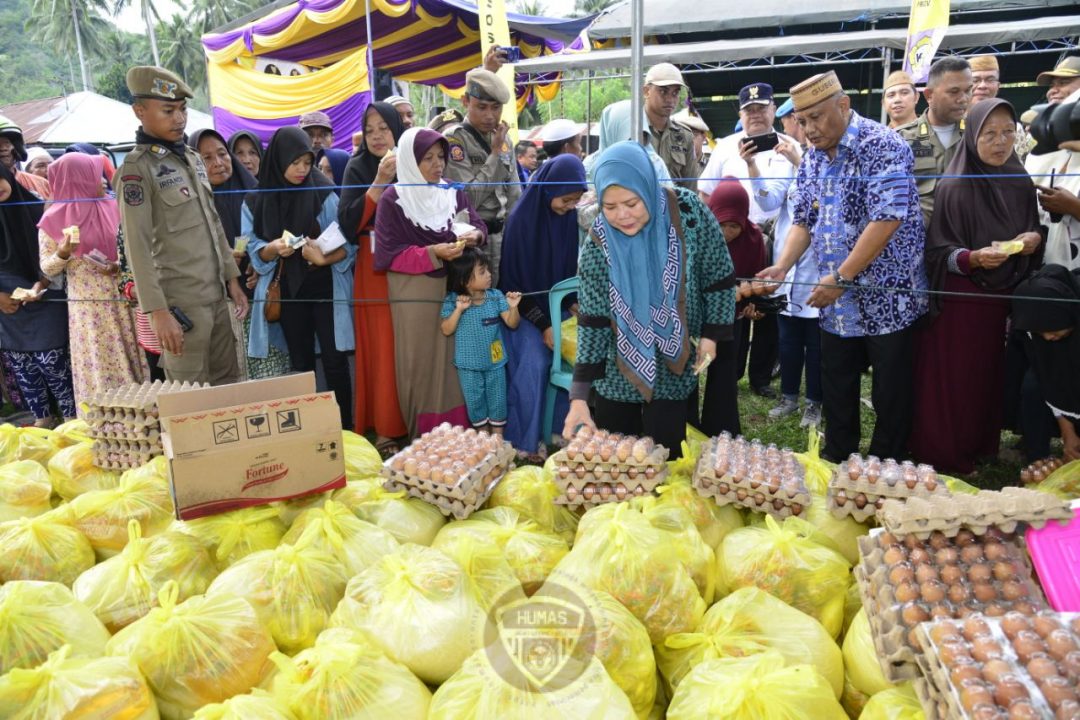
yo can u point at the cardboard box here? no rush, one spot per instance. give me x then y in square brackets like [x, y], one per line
[250, 443]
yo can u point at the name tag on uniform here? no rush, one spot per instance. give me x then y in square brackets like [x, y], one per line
[922, 150]
[497, 353]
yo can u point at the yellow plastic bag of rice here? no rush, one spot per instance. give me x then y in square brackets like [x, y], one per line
[752, 688]
[697, 557]
[419, 607]
[66, 688]
[142, 495]
[293, 588]
[480, 691]
[72, 432]
[362, 460]
[256, 705]
[236, 534]
[526, 490]
[747, 622]
[784, 560]
[620, 552]
[73, 472]
[337, 531]
[43, 548]
[713, 521]
[344, 677]
[204, 650]
[493, 579]
[28, 443]
[408, 519]
[24, 490]
[898, 703]
[123, 588]
[531, 551]
[37, 618]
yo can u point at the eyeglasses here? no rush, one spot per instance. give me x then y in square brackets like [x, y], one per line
[987, 80]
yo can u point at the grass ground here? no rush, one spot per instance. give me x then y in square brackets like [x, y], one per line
[754, 411]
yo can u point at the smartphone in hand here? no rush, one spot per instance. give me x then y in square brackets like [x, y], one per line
[764, 142]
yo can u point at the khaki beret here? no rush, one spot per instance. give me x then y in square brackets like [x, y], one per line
[148, 81]
[983, 63]
[898, 78]
[447, 117]
[815, 89]
[485, 85]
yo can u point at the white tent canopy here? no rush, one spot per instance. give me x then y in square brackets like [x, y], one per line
[672, 17]
[695, 53]
[83, 117]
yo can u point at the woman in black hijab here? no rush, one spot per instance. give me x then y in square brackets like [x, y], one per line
[33, 334]
[960, 354]
[1053, 344]
[231, 181]
[370, 170]
[294, 199]
[247, 148]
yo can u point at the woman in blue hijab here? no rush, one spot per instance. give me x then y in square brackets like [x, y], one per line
[655, 273]
[540, 248]
[332, 163]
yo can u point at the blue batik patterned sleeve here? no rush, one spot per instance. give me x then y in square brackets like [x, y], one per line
[888, 165]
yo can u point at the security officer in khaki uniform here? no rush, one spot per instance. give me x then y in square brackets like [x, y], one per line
[183, 267]
[479, 154]
[673, 142]
[935, 136]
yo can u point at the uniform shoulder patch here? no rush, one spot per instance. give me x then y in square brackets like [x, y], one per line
[457, 151]
[158, 150]
[133, 194]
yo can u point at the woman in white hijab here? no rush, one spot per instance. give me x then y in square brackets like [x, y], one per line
[421, 223]
[37, 162]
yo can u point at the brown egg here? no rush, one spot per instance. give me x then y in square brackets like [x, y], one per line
[1075, 625]
[860, 501]
[979, 573]
[741, 494]
[996, 669]
[975, 627]
[995, 551]
[984, 592]
[1014, 590]
[994, 610]
[913, 542]
[1022, 710]
[952, 574]
[913, 614]
[1068, 710]
[918, 555]
[938, 540]
[1008, 690]
[964, 537]
[985, 648]
[1027, 645]
[1013, 623]
[1057, 690]
[941, 611]
[958, 594]
[1071, 664]
[945, 632]
[1004, 570]
[886, 538]
[973, 695]
[964, 671]
[984, 712]
[946, 556]
[901, 573]
[1045, 625]
[1025, 608]
[971, 554]
[1060, 643]
[1041, 668]
[723, 488]
[954, 653]
[932, 591]
[925, 573]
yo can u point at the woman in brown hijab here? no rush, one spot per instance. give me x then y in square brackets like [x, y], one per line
[983, 239]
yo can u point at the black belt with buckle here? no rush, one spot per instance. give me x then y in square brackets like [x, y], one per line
[494, 226]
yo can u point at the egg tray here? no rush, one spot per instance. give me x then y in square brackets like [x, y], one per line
[1004, 510]
[849, 508]
[457, 508]
[628, 475]
[1040, 470]
[657, 458]
[120, 460]
[464, 488]
[705, 476]
[133, 402]
[150, 434]
[1002, 662]
[933, 707]
[880, 487]
[572, 494]
[779, 506]
[892, 618]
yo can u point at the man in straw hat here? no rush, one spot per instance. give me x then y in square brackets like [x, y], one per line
[855, 198]
[899, 98]
[986, 81]
[1063, 80]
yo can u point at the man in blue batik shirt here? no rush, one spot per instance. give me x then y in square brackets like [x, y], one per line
[857, 207]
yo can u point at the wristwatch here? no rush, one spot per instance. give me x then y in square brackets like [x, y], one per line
[842, 281]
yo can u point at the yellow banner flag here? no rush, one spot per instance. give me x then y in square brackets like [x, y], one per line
[926, 29]
[494, 30]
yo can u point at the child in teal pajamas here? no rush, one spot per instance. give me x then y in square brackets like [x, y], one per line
[471, 313]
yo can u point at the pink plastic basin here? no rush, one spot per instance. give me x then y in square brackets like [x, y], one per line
[1055, 552]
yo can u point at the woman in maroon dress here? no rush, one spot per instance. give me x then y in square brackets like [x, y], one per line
[960, 353]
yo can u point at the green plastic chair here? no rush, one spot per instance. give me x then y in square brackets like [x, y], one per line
[562, 372]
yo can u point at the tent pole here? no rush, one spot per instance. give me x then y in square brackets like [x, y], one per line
[637, 37]
[886, 61]
[588, 113]
[370, 52]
